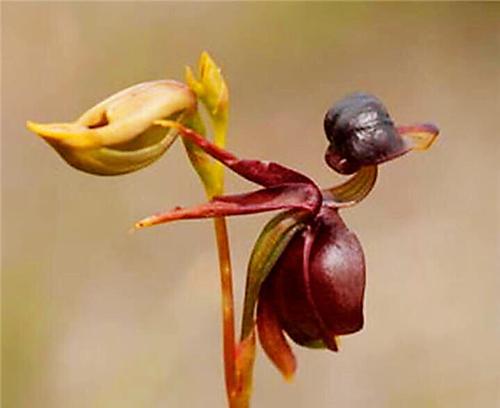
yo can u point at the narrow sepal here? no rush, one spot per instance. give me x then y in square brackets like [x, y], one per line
[269, 199]
[272, 338]
[352, 191]
[245, 359]
[265, 173]
[269, 246]
[211, 89]
[209, 171]
[210, 85]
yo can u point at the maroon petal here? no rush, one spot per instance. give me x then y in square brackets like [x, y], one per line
[318, 282]
[265, 173]
[292, 195]
[337, 275]
[293, 306]
[327, 335]
[271, 335]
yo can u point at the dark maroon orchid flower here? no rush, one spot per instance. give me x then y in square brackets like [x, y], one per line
[361, 132]
[306, 274]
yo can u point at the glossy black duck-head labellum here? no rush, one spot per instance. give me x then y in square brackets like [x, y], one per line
[321, 298]
[360, 132]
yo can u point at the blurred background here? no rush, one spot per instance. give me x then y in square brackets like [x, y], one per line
[93, 316]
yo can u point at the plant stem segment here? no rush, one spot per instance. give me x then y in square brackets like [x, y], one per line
[238, 384]
[212, 92]
[238, 387]
[226, 282]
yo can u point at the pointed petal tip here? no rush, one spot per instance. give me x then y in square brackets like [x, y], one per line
[45, 130]
[431, 128]
[272, 338]
[31, 126]
[70, 134]
[289, 376]
[205, 61]
[191, 80]
[144, 223]
[338, 341]
[160, 218]
[420, 137]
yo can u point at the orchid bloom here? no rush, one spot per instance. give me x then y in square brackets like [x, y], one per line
[118, 135]
[306, 275]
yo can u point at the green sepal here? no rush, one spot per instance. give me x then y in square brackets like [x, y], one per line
[210, 87]
[205, 167]
[269, 246]
[211, 90]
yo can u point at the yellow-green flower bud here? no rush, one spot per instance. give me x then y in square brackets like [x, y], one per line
[118, 135]
[210, 87]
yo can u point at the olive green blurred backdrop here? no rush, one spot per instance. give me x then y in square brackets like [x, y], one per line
[96, 317]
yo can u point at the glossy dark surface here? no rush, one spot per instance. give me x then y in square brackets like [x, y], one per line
[323, 296]
[312, 287]
[360, 132]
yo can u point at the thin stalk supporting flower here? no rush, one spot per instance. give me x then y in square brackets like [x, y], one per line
[306, 273]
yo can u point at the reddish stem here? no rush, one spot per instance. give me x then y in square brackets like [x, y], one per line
[226, 282]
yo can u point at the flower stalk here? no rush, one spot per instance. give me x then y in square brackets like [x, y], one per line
[227, 304]
[212, 91]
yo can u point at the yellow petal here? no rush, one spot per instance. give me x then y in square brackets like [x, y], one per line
[121, 117]
[118, 135]
[212, 91]
[216, 92]
[130, 112]
[110, 161]
[211, 87]
[70, 134]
